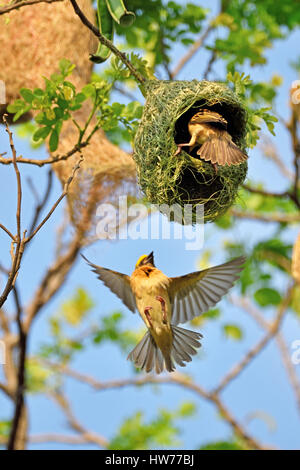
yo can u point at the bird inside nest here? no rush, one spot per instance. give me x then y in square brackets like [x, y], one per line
[208, 131]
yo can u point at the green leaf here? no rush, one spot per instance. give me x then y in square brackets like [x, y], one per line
[233, 332]
[79, 98]
[21, 112]
[38, 92]
[37, 376]
[53, 142]
[27, 95]
[187, 409]
[17, 105]
[66, 67]
[41, 133]
[75, 309]
[222, 445]
[267, 296]
[5, 426]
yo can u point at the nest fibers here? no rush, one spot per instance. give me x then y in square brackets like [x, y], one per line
[34, 40]
[105, 173]
[184, 179]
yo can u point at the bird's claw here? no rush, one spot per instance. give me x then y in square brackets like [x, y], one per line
[163, 307]
[148, 316]
[179, 148]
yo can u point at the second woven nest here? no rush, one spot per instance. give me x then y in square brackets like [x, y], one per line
[184, 179]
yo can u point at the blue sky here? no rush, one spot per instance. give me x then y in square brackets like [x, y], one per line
[261, 387]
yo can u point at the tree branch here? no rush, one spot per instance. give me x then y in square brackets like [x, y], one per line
[140, 78]
[65, 192]
[291, 195]
[255, 350]
[8, 232]
[46, 161]
[73, 422]
[16, 5]
[40, 204]
[175, 379]
[61, 438]
[192, 51]
[17, 254]
[19, 396]
[273, 217]
[286, 359]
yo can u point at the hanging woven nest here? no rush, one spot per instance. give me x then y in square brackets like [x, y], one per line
[184, 178]
[105, 173]
[36, 38]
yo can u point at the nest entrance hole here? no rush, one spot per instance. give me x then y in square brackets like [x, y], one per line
[231, 113]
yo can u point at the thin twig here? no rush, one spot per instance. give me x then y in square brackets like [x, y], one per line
[286, 194]
[41, 204]
[8, 232]
[192, 51]
[61, 438]
[17, 254]
[210, 63]
[140, 78]
[176, 379]
[271, 153]
[255, 350]
[19, 396]
[73, 422]
[287, 362]
[263, 192]
[64, 193]
[199, 43]
[247, 305]
[16, 5]
[273, 217]
[46, 161]
[292, 126]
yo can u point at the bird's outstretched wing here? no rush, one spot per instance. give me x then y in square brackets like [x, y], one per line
[197, 292]
[117, 282]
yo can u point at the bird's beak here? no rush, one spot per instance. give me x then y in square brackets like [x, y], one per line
[150, 259]
[145, 260]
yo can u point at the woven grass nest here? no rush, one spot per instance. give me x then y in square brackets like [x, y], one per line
[184, 178]
[105, 173]
[36, 38]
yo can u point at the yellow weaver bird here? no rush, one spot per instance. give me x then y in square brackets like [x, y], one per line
[208, 129]
[163, 302]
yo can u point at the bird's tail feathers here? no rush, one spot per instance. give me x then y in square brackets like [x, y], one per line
[147, 355]
[185, 344]
[221, 151]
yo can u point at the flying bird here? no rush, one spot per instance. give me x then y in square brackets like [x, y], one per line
[208, 130]
[163, 302]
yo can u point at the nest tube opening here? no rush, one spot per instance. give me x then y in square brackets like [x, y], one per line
[184, 178]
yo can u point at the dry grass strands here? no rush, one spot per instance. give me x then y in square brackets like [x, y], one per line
[36, 38]
[184, 179]
[105, 173]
